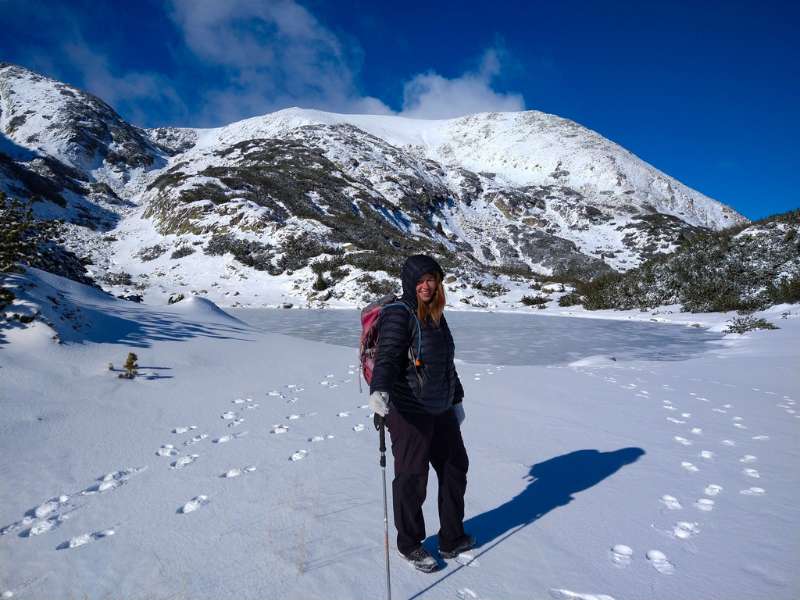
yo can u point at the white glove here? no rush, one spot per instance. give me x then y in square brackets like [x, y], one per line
[459, 410]
[379, 403]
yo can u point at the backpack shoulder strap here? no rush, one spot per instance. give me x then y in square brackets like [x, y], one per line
[400, 302]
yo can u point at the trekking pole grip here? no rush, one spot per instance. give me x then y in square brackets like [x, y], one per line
[380, 425]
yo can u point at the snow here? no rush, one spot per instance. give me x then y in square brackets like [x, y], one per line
[577, 488]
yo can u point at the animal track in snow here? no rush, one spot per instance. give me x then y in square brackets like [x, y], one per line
[299, 455]
[683, 530]
[753, 491]
[193, 504]
[195, 439]
[184, 429]
[704, 504]
[751, 473]
[112, 480]
[231, 473]
[562, 594]
[621, 555]
[227, 438]
[689, 467]
[671, 502]
[660, 563]
[167, 450]
[184, 461]
[712, 489]
[467, 559]
[83, 539]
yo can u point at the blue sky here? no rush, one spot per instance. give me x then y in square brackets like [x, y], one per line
[708, 92]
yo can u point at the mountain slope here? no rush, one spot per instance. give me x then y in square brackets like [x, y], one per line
[268, 197]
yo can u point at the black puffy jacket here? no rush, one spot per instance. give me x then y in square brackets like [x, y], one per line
[432, 387]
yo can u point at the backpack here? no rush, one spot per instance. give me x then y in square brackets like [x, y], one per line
[368, 348]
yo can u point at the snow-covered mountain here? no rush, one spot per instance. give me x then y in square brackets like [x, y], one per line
[252, 207]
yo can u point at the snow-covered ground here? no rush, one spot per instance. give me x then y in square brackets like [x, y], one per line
[242, 464]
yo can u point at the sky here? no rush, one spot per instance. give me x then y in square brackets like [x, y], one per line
[707, 92]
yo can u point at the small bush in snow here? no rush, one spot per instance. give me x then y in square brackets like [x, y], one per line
[748, 323]
[182, 252]
[131, 367]
[534, 300]
[570, 299]
[492, 290]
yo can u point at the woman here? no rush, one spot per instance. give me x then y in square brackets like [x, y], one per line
[416, 388]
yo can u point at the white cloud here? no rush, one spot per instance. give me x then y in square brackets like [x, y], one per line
[431, 96]
[129, 92]
[273, 55]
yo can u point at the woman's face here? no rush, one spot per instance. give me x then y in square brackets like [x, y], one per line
[426, 287]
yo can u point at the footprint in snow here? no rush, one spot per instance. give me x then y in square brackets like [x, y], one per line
[195, 439]
[252, 406]
[712, 489]
[706, 454]
[43, 525]
[697, 431]
[682, 440]
[292, 417]
[276, 394]
[227, 438]
[561, 594]
[704, 504]
[674, 420]
[683, 530]
[748, 458]
[167, 450]
[184, 429]
[751, 473]
[720, 410]
[231, 473]
[760, 437]
[660, 563]
[238, 401]
[740, 426]
[689, 467]
[299, 455]
[753, 491]
[228, 415]
[236, 422]
[467, 594]
[112, 480]
[343, 414]
[467, 559]
[728, 443]
[184, 461]
[671, 502]
[621, 555]
[321, 438]
[359, 427]
[83, 539]
[279, 429]
[193, 504]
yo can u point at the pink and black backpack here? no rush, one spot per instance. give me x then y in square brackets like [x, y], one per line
[368, 348]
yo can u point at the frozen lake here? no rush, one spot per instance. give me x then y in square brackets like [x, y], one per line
[507, 339]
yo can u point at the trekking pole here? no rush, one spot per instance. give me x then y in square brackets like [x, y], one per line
[380, 426]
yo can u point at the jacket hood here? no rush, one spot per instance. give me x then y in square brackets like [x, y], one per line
[414, 268]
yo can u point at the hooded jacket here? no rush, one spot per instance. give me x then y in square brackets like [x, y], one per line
[434, 386]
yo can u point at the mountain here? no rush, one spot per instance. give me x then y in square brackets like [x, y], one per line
[308, 206]
[747, 268]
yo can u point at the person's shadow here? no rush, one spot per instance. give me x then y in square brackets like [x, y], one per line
[553, 483]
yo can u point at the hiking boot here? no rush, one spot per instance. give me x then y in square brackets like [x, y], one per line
[464, 543]
[421, 560]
